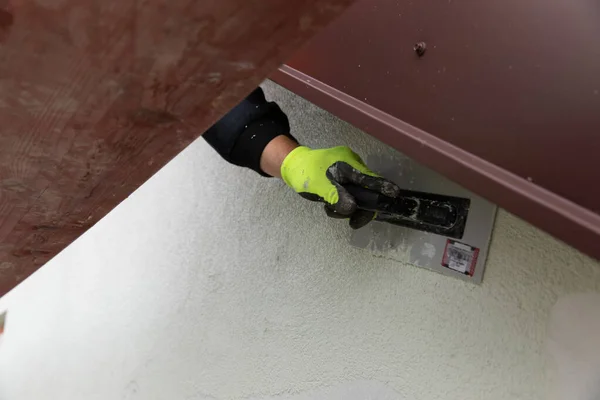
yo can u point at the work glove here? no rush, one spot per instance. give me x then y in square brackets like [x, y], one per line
[320, 175]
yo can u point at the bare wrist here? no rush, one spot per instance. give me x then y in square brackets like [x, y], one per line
[274, 153]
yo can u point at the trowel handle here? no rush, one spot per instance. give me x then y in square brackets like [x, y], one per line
[429, 212]
[373, 201]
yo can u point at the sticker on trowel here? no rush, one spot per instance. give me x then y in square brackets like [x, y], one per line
[460, 257]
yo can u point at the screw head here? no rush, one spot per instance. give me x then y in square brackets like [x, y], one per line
[420, 48]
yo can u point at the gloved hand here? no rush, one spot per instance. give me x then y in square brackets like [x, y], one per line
[320, 175]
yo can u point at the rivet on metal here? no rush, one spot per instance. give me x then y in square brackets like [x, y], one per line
[420, 48]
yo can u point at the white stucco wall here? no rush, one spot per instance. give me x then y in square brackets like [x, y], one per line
[210, 282]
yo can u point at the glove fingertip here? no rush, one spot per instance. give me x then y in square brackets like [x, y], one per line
[361, 218]
[390, 189]
[346, 205]
[331, 213]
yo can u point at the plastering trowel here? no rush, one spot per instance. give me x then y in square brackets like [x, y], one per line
[434, 224]
[428, 212]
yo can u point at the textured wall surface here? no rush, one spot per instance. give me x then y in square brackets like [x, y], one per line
[210, 282]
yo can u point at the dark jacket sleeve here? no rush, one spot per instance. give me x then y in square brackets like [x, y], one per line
[243, 133]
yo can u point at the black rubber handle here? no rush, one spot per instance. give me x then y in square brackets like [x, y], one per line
[429, 212]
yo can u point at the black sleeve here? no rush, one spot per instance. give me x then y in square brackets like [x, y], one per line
[243, 133]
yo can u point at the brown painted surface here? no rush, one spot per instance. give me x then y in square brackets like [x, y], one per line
[513, 85]
[97, 95]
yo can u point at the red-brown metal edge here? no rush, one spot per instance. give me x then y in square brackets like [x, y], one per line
[558, 216]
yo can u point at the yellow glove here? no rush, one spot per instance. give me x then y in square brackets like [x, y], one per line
[320, 175]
